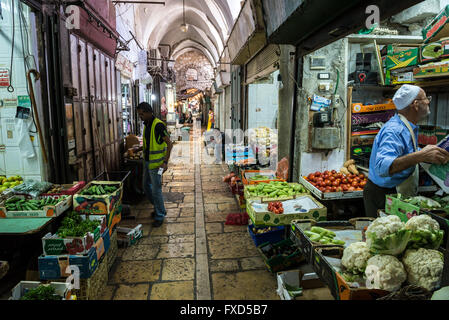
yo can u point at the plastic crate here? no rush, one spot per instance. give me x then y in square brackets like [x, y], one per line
[274, 236]
[279, 262]
[362, 160]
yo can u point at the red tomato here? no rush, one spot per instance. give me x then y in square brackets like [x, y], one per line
[339, 189]
[327, 182]
[335, 183]
[339, 176]
[361, 176]
[359, 189]
[332, 178]
[363, 183]
[351, 189]
[345, 187]
[333, 189]
[322, 189]
[344, 181]
[327, 172]
[319, 180]
[311, 177]
[355, 184]
[338, 181]
[317, 174]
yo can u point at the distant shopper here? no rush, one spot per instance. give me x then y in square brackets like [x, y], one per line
[156, 150]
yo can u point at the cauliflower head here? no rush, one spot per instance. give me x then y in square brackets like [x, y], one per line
[387, 235]
[355, 257]
[426, 232]
[424, 267]
[385, 272]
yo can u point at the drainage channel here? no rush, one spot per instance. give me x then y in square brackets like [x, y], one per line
[203, 291]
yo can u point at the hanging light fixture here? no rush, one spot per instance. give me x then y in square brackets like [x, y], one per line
[184, 26]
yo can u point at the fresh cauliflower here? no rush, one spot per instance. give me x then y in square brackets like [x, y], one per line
[387, 235]
[355, 257]
[424, 267]
[385, 272]
[426, 232]
[422, 223]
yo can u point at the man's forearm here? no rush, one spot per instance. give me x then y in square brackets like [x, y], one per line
[167, 156]
[405, 162]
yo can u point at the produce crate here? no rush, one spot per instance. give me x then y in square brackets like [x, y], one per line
[93, 287]
[108, 204]
[337, 285]
[405, 211]
[67, 189]
[247, 174]
[268, 199]
[279, 262]
[46, 212]
[306, 245]
[126, 237]
[330, 195]
[270, 219]
[53, 245]
[274, 236]
[55, 267]
[61, 288]
[111, 255]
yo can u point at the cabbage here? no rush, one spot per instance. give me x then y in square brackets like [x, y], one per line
[423, 202]
[393, 244]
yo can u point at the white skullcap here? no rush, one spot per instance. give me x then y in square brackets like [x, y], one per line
[405, 96]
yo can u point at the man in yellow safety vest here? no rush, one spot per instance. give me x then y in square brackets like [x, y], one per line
[156, 151]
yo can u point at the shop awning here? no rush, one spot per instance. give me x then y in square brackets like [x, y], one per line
[188, 95]
[312, 24]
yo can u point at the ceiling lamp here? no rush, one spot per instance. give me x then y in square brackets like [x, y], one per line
[184, 26]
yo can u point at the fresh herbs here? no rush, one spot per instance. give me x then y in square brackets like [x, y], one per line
[74, 226]
[42, 292]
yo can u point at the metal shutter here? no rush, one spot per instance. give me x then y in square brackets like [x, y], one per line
[263, 64]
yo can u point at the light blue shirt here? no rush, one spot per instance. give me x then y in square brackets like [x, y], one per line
[393, 141]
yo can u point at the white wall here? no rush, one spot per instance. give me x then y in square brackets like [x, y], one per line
[11, 160]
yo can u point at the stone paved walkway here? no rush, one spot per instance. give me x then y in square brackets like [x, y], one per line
[194, 255]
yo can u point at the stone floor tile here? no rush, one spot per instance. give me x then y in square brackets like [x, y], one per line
[154, 240]
[215, 217]
[247, 285]
[177, 290]
[137, 271]
[174, 229]
[173, 212]
[181, 238]
[231, 245]
[230, 207]
[187, 205]
[187, 212]
[177, 250]
[210, 208]
[252, 263]
[214, 228]
[132, 292]
[178, 269]
[223, 265]
[185, 219]
[170, 205]
[140, 252]
[232, 228]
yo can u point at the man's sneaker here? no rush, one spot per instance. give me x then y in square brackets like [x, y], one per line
[157, 223]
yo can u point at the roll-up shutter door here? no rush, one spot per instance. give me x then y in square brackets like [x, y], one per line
[263, 64]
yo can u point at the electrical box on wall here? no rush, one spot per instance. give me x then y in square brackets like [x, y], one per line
[325, 138]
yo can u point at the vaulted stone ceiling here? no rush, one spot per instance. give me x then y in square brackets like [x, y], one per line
[210, 23]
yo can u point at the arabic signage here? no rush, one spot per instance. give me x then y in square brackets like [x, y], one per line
[4, 78]
[125, 66]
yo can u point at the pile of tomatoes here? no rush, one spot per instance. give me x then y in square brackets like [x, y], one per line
[333, 181]
[276, 207]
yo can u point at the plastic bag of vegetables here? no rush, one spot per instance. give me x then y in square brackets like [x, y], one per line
[426, 232]
[387, 235]
[423, 202]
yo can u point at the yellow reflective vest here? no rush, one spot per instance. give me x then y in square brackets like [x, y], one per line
[157, 152]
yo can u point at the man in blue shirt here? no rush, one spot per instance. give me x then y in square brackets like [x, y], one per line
[395, 156]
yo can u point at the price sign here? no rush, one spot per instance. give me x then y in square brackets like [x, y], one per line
[4, 78]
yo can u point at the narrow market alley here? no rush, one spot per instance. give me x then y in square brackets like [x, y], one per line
[194, 255]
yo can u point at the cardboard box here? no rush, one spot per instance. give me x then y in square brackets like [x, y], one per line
[271, 219]
[109, 204]
[438, 27]
[46, 212]
[402, 59]
[247, 174]
[402, 77]
[61, 288]
[56, 267]
[339, 288]
[432, 70]
[127, 237]
[306, 245]
[434, 51]
[52, 245]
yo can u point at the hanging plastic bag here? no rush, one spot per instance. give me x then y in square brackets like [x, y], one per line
[23, 125]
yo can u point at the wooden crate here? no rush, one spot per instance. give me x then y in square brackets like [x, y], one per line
[93, 287]
[113, 250]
